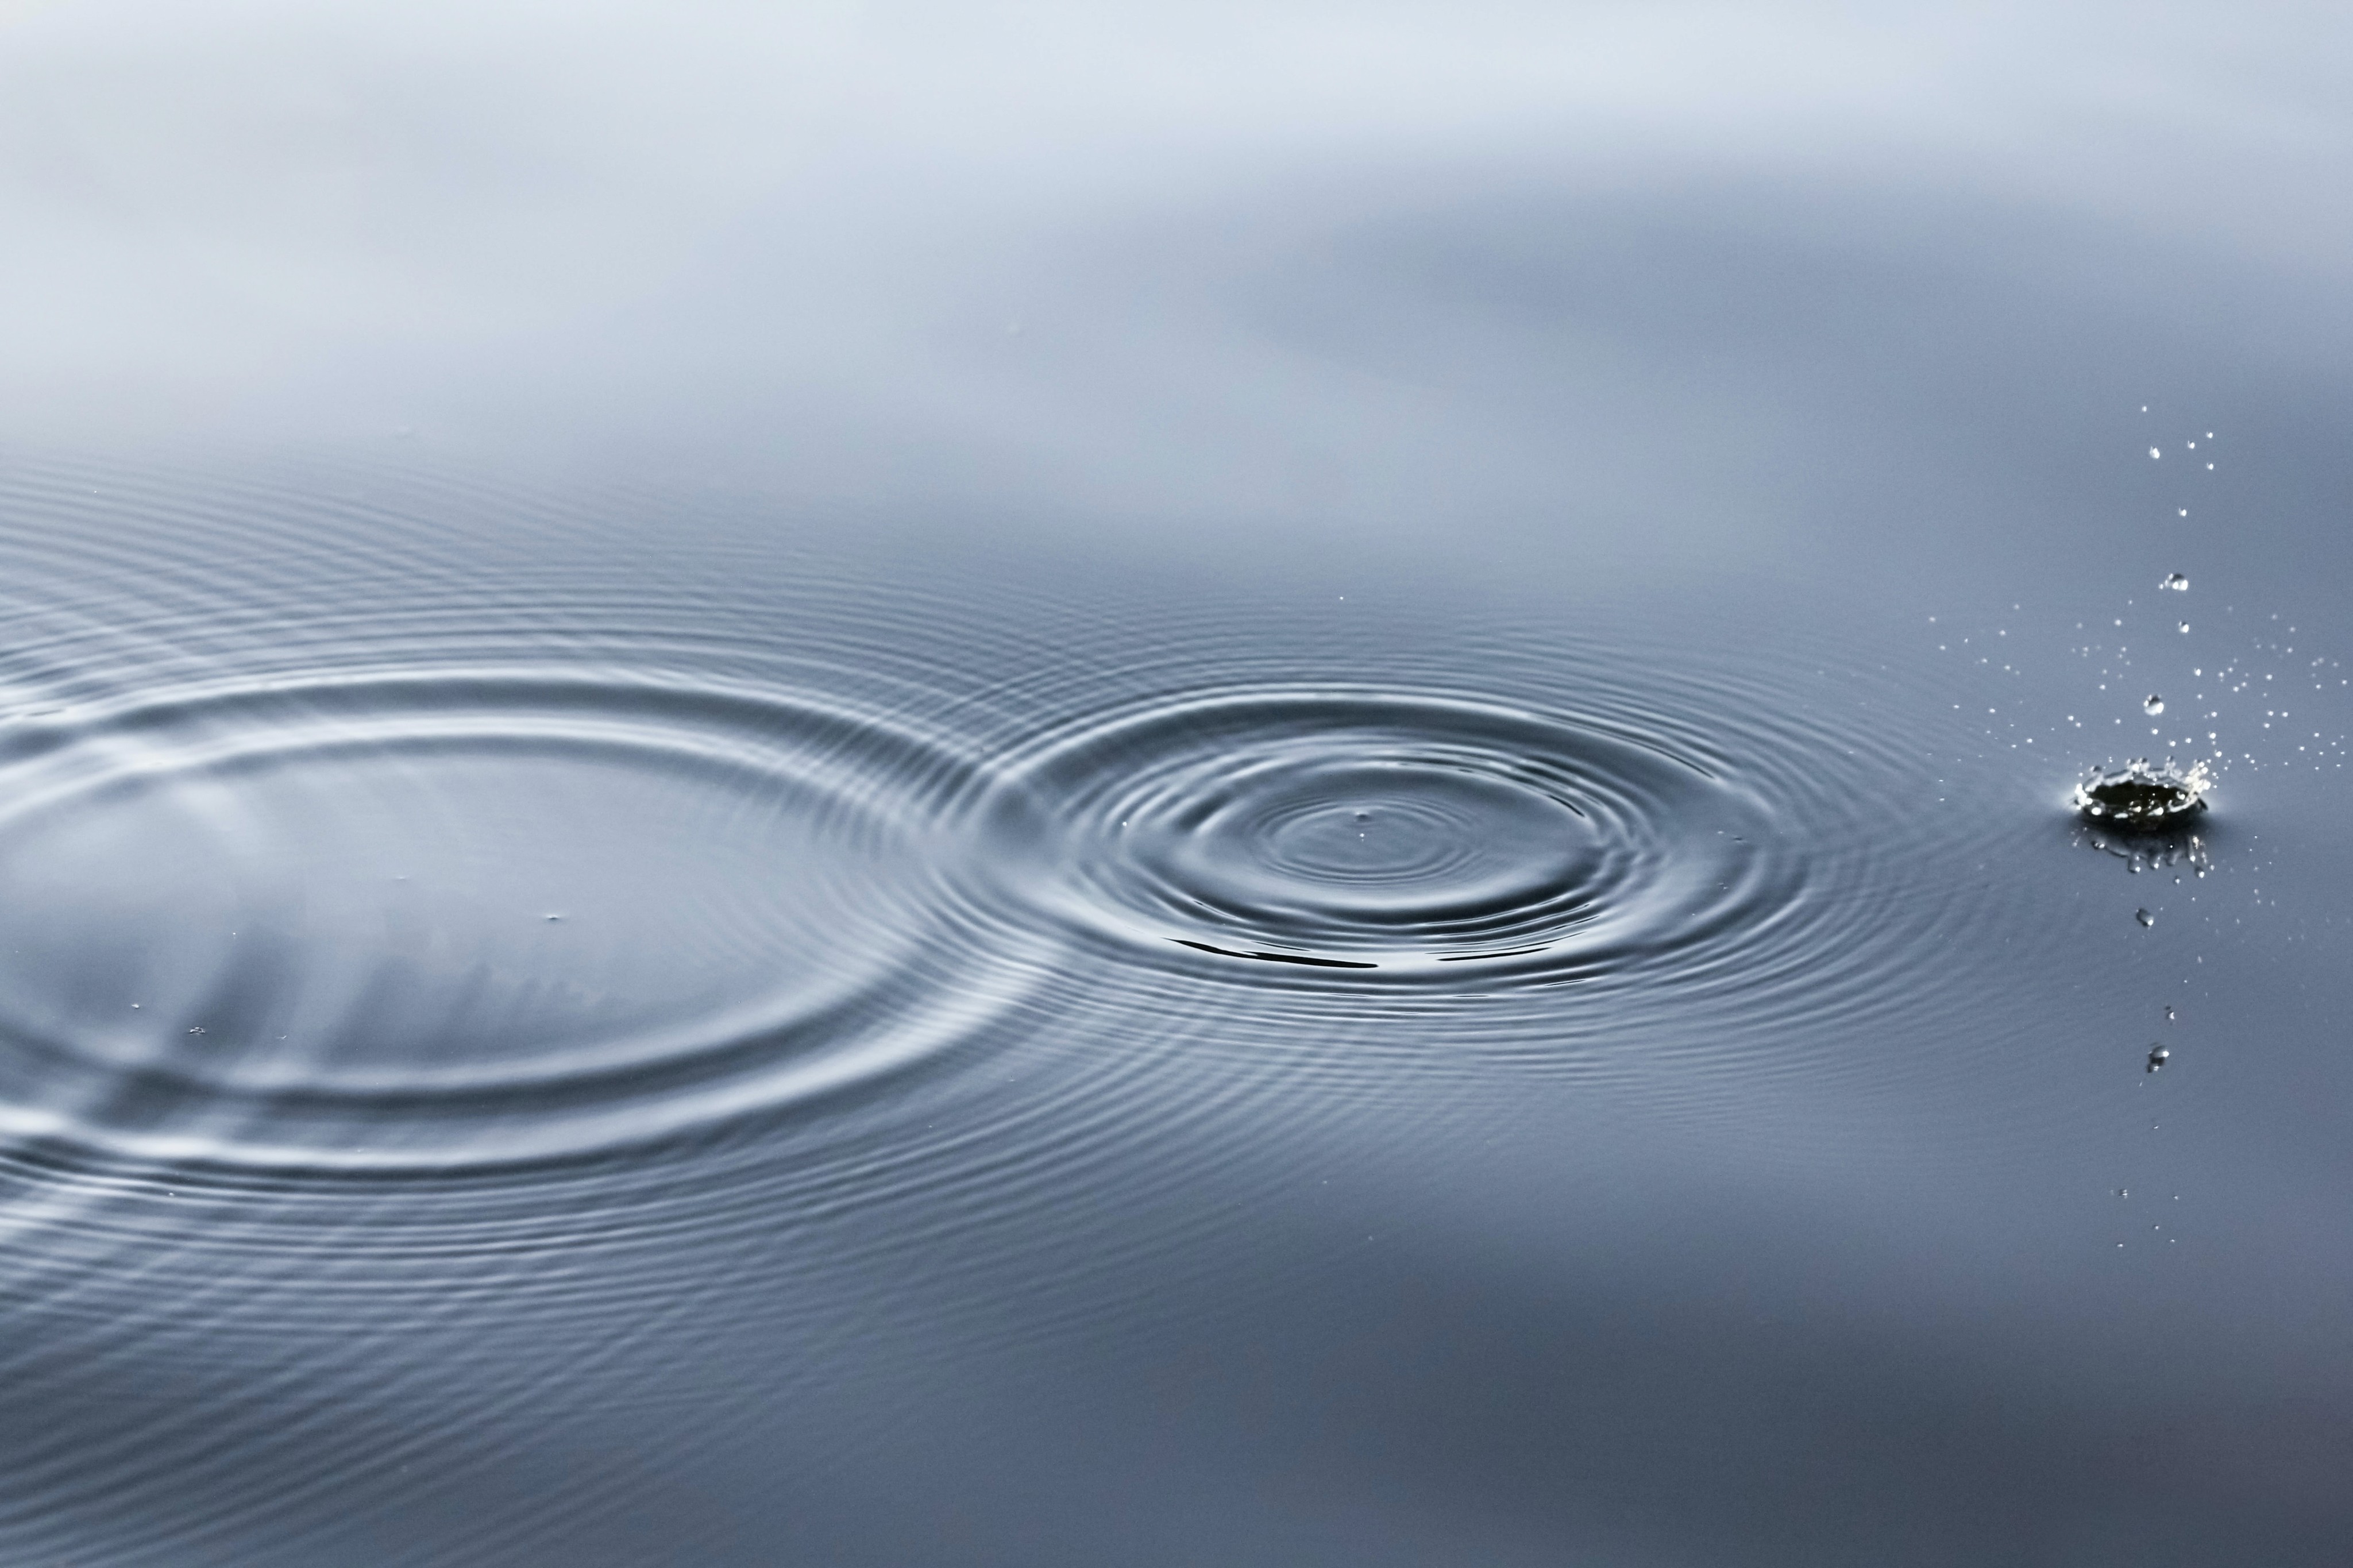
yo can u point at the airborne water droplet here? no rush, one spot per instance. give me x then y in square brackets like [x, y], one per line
[2158, 1057]
[2153, 705]
[2145, 918]
[2176, 580]
[2183, 628]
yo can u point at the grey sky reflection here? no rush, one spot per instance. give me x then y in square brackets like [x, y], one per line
[259, 211]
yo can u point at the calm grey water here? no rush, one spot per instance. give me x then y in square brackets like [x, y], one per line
[1029, 787]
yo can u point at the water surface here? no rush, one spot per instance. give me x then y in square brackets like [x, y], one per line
[1224, 791]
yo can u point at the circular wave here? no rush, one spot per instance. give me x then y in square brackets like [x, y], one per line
[425, 921]
[1383, 839]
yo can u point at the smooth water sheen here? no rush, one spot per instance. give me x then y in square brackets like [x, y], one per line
[1291, 790]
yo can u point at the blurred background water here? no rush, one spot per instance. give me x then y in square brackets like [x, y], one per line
[1032, 784]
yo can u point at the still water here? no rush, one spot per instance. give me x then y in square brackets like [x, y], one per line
[899, 788]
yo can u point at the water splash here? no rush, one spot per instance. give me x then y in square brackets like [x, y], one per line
[2143, 794]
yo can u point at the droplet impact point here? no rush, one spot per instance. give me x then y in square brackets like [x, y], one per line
[2142, 794]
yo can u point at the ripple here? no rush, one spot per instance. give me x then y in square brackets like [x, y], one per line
[1383, 839]
[430, 920]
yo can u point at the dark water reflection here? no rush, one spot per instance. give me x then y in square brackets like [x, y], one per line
[1341, 869]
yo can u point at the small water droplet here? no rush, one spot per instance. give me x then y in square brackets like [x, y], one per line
[2183, 628]
[2152, 704]
[2154, 452]
[2145, 918]
[2158, 1057]
[2175, 580]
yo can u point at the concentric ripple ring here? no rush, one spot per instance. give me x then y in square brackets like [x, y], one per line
[368, 924]
[1376, 837]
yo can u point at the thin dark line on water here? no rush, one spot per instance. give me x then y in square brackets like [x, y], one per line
[1275, 957]
[1506, 953]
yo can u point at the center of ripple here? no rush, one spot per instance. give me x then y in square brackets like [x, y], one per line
[1403, 842]
[1403, 834]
